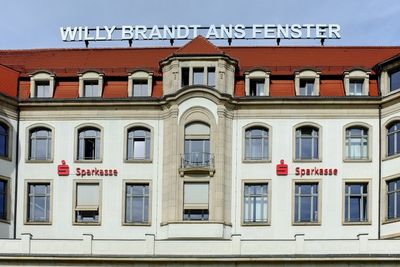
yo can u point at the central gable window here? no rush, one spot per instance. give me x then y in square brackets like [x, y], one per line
[198, 75]
[90, 84]
[307, 83]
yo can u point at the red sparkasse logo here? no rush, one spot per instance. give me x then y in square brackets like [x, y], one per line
[63, 169]
[282, 168]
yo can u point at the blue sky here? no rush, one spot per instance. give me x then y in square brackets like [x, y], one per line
[36, 23]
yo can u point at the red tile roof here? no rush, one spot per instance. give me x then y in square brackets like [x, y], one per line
[118, 62]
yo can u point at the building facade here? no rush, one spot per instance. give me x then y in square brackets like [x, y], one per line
[200, 153]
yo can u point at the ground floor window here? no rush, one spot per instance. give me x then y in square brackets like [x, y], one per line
[306, 203]
[356, 202]
[38, 202]
[195, 201]
[87, 203]
[255, 204]
[137, 203]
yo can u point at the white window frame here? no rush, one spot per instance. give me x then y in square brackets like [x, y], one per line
[365, 126]
[90, 76]
[318, 195]
[367, 196]
[27, 201]
[307, 125]
[78, 129]
[76, 208]
[137, 182]
[356, 75]
[257, 75]
[249, 182]
[307, 75]
[206, 66]
[269, 138]
[50, 142]
[140, 76]
[41, 76]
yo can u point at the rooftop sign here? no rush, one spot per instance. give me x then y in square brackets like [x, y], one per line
[212, 32]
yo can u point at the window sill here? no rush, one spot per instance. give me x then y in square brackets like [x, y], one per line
[388, 221]
[136, 224]
[251, 224]
[6, 158]
[391, 157]
[307, 160]
[88, 161]
[306, 224]
[138, 161]
[39, 161]
[5, 221]
[37, 223]
[86, 223]
[257, 161]
[356, 223]
[356, 160]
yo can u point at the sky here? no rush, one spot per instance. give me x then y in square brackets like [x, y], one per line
[36, 24]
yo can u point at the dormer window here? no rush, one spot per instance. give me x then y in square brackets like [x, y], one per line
[90, 84]
[394, 80]
[140, 84]
[91, 89]
[356, 83]
[42, 85]
[257, 83]
[306, 87]
[307, 83]
[198, 76]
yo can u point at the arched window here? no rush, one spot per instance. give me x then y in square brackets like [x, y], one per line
[197, 145]
[307, 143]
[357, 143]
[393, 138]
[40, 144]
[4, 134]
[139, 143]
[256, 143]
[89, 144]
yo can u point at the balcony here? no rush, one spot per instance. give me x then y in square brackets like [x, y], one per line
[197, 162]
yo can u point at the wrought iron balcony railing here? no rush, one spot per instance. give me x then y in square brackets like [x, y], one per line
[198, 161]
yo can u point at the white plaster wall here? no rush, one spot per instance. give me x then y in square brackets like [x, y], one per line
[282, 186]
[112, 187]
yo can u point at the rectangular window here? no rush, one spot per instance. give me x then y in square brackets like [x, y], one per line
[306, 87]
[195, 201]
[211, 76]
[3, 199]
[185, 76]
[91, 89]
[257, 87]
[356, 202]
[393, 199]
[356, 87]
[395, 80]
[42, 89]
[198, 75]
[38, 202]
[140, 88]
[137, 203]
[306, 203]
[87, 202]
[255, 203]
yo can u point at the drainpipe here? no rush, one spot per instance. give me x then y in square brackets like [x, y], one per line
[380, 172]
[16, 164]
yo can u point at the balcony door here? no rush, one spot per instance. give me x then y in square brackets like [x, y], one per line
[197, 145]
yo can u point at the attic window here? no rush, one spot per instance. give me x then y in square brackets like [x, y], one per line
[356, 83]
[140, 84]
[257, 83]
[42, 85]
[90, 84]
[307, 83]
[198, 76]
